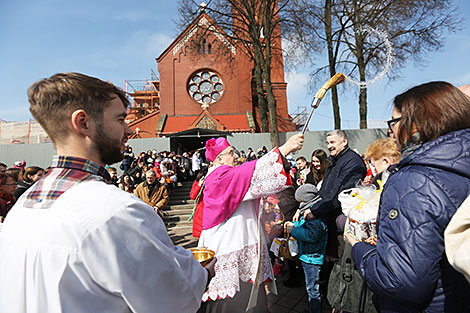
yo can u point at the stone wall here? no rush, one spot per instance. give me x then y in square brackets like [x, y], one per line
[41, 154]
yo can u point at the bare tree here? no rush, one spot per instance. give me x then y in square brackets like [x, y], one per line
[352, 33]
[253, 25]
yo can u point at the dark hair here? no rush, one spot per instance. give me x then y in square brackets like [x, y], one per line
[434, 109]
[28, 172]
[13, 172]
[301, 158]
[201, 174]
[323, 157]
[53, 100]
[121, 180]
[4, 177]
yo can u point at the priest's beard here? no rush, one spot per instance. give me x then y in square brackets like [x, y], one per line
[109, 149]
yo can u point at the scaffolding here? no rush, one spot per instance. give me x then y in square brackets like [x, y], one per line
[300, 116]
[144, 96]
[22, 132]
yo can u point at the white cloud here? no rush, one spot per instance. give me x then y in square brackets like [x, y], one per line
[131, 16]
[297, 91]
[297, 85]
[156, 43]
[293, 55]
[144, 44]
[142, 47]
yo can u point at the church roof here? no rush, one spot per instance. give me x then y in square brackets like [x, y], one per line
[229, 122]
[236, 122]
[202, 20]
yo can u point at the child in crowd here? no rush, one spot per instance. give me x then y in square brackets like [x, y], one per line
[272, 218]
[312, 237]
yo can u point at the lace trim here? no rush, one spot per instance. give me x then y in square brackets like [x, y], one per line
[233, 267]
[267, 176]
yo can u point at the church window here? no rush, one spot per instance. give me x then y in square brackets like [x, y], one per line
[209, 48]
[206, 87]
[203, 46]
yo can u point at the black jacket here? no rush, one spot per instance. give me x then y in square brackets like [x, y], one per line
[21, 188]
[343, 172]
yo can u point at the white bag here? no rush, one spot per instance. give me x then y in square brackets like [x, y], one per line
[292, 244]
[361, 205]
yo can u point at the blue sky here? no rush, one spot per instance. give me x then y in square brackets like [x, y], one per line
[119, 40]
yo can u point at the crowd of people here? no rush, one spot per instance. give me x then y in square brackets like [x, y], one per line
[140, 174]
[375, 233]
[384, 213]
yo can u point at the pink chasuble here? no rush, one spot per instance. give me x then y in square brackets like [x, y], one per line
[224, 190]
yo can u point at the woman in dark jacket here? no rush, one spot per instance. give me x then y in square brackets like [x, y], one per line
[317, 167]
[408, 269]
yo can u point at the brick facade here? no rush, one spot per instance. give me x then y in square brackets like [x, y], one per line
[206, 82]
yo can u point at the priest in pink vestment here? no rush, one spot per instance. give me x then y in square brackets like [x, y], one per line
[230, 221]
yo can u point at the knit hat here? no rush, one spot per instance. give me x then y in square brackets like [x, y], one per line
[307, 195]
[215, 146]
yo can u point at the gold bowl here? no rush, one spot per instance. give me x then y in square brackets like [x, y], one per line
[203, 255]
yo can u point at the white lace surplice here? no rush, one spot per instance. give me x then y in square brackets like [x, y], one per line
[235, 241]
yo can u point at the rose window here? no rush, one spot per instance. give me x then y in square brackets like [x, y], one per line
[206, 87]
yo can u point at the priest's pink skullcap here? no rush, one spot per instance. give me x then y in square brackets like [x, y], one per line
[214, 147]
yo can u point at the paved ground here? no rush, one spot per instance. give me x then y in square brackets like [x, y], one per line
[290, 300]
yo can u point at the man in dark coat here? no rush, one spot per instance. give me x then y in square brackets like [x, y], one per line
[345, 168]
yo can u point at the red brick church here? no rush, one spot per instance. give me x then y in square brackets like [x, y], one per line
[206, 84]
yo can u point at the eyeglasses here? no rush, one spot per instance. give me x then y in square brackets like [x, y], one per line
[230, 153]
[391, 123]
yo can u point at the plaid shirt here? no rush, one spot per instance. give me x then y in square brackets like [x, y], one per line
[66, 172]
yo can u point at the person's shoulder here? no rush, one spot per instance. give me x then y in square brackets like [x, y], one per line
[316, 222]
[91, 188]
[92, 203]
[352, 155]
[351, 158]
[140, 185]
[315, 225]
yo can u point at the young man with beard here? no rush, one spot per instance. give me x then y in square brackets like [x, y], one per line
[112, 171]
[302, 171]
[75, 243]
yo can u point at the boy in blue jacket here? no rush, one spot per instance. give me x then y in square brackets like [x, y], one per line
[312, 237]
